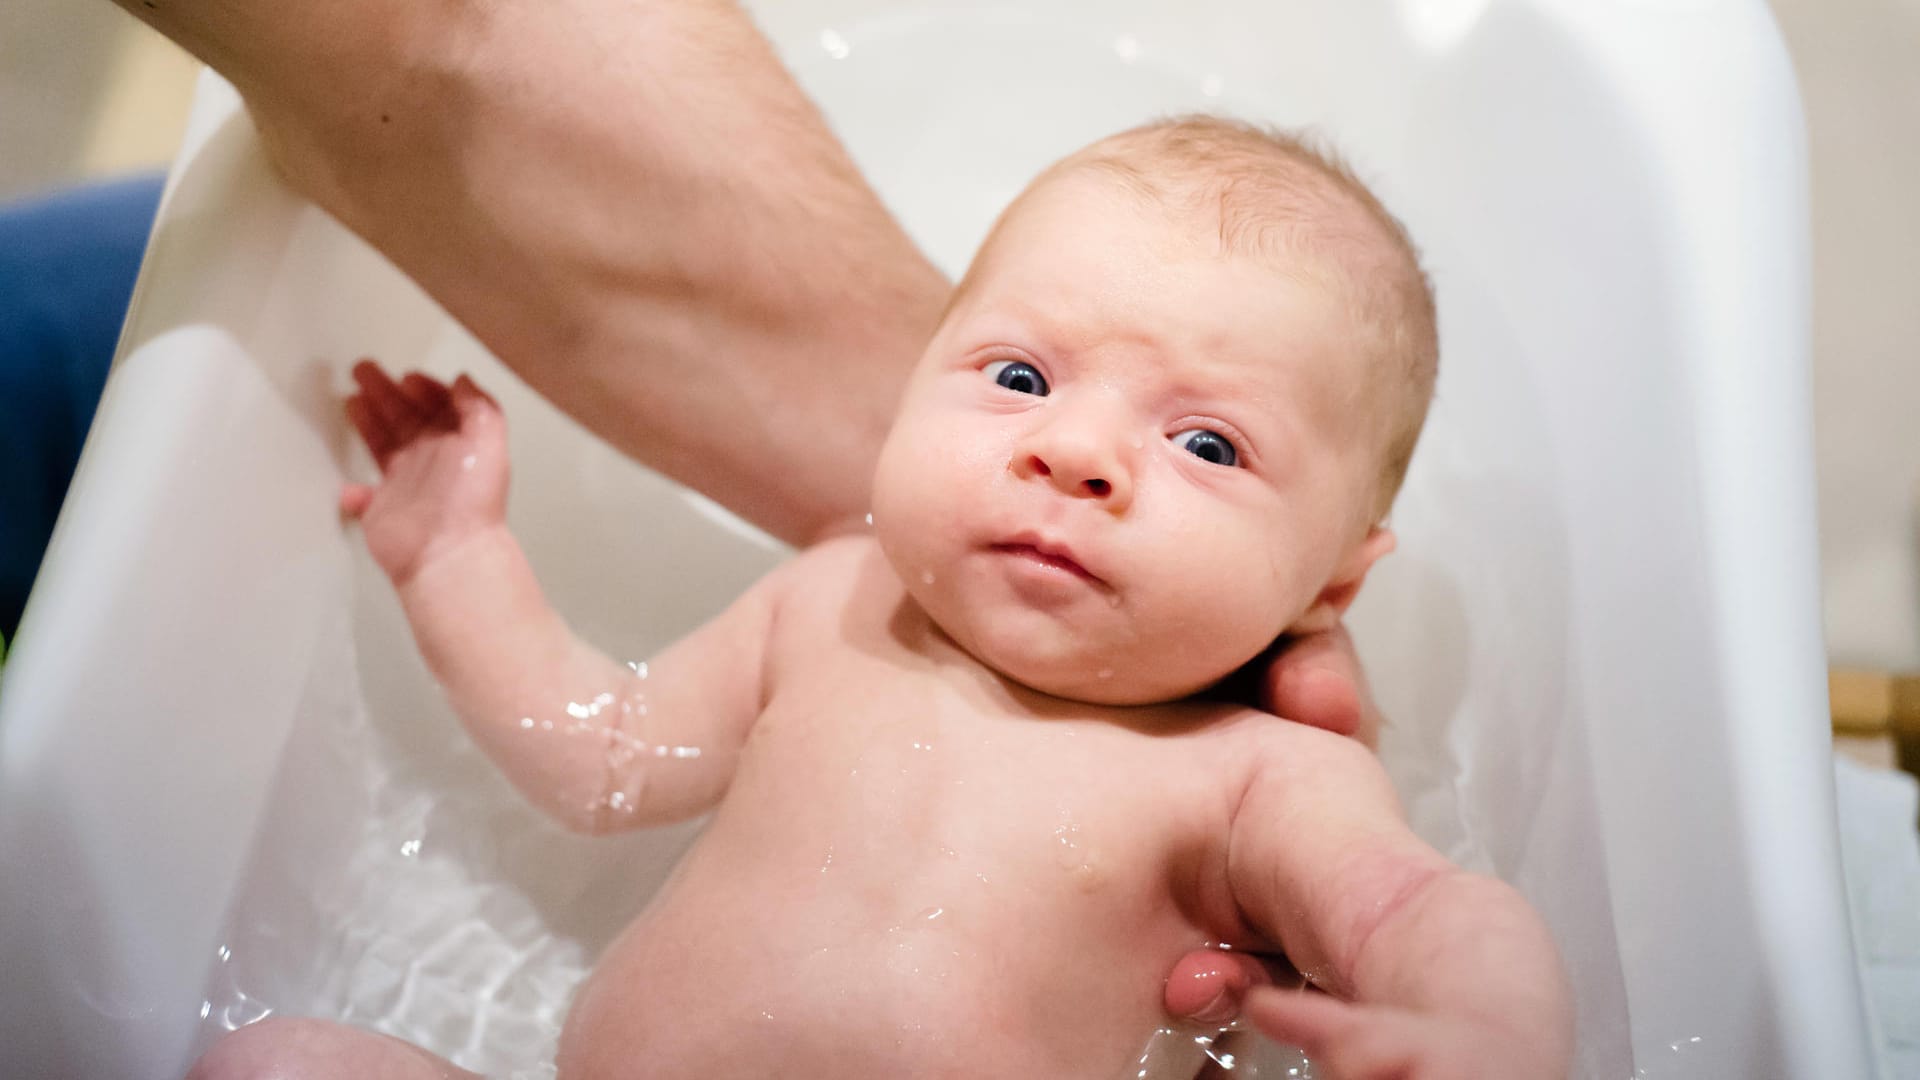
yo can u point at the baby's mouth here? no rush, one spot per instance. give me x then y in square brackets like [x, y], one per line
[1050, 555]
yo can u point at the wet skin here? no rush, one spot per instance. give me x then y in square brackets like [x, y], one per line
[921, 868]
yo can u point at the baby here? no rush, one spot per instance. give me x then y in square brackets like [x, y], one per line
[1157, 428]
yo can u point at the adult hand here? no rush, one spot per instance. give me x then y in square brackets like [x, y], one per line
[1347, 1041]
[1313, 680]
[1317, 680]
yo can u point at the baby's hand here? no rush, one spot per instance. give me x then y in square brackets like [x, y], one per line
[1347, 1041]
[442, 454]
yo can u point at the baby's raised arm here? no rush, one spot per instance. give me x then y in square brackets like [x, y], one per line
[1432, 972]
[598, 744]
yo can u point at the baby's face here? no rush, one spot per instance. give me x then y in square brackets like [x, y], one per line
[1123, 466]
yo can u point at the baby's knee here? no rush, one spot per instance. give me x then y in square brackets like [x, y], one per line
[280, 1048]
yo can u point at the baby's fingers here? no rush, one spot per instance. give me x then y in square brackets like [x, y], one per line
[378, 437]
[477, 409]
[384, 399]
[354, 499]
[467, 394]
[430, 397]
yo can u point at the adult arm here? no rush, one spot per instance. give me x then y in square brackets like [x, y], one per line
[630, 203]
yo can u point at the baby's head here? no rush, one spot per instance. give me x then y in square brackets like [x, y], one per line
[1164, 416]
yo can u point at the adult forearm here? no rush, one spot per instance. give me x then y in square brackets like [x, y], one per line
[631, 204]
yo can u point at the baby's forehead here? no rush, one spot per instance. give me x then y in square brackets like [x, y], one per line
[1305, 231]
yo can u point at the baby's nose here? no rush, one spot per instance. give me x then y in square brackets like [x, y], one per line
[1080, 463]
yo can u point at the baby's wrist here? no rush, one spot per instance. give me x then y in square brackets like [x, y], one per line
[455, 557]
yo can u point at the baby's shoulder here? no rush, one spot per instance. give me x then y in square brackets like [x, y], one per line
[832, 569]
[1274, 749]
[834, 583]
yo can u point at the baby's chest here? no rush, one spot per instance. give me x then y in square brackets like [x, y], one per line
[897, 779]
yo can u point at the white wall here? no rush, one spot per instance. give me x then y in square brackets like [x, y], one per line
[1859, 67]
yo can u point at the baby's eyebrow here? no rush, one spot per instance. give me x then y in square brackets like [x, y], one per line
[1262, 410]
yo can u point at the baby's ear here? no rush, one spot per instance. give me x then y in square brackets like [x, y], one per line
[1332, 603]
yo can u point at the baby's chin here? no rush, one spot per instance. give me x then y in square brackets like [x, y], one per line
[1076, 674]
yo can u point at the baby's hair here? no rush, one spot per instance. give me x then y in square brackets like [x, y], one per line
[1277, 195]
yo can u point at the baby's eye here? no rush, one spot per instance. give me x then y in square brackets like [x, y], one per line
[1207, 446]
[1018, 376]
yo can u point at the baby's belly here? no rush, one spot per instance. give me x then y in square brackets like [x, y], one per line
[782, 968]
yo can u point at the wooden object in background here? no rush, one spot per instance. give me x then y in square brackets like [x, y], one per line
[1878, 704]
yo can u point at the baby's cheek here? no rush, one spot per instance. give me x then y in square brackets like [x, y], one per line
[918, 501]
[1248, 598]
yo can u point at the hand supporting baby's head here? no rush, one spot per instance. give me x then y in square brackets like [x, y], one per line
[1164, 416]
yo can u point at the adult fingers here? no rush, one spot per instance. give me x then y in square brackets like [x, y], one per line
[1316, 679]
[1344, 1041]
[1306, 1019]
[1207, 986]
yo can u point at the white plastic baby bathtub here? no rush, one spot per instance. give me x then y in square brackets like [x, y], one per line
[229, 787]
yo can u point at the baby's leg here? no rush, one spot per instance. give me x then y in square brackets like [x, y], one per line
[289, 1048]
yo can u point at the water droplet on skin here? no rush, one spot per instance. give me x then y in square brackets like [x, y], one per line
[869, 520]
[467, 463]
[926, 577]
[1106, 673]
[526, 723]
[828, 861]
[1067, 836]
[1081, 863]
[1139, 443]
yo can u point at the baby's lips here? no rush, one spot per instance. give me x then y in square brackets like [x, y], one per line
[1051, 550]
